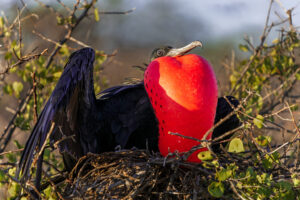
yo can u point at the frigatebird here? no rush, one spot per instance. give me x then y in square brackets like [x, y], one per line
[80, 123]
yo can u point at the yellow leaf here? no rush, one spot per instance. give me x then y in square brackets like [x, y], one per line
[205, 155]
[236, 146]
[57, 74]
[96, 13]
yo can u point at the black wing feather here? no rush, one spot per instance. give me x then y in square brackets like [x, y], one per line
[73, 76]
[129, 114]
[225, 107]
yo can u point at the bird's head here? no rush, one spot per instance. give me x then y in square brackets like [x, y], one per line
[170, 51]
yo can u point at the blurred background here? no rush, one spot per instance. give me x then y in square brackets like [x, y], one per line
[221, 25]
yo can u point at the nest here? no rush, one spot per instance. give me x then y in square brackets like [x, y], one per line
[137, 174]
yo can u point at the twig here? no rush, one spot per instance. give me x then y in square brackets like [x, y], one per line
[34, 84]
[10, 128]
[36, 191]
[78, 42]
[45, 38]
[41, 150]
[65, 7]
[20, 34]
[69, 32]
[235, 191]
[235, 110]
[23, 60]
[12, 151]
[258, 49]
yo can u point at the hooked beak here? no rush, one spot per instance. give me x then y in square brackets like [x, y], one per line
[183, 50]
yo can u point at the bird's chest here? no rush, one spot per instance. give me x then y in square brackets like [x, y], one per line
[184, 97]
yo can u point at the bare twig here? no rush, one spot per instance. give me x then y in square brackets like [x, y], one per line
[41, 150]
[22, 60]
[69, 31]
[10, 128]
[34, 84]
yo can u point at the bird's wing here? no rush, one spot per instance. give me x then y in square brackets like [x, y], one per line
[62, 108]
[130, 116]
[225, 106]
[116, 90]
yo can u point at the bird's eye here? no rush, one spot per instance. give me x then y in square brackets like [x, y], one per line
[160, 53]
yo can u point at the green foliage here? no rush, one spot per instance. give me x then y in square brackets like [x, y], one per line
[267, 73]
[252, 183]
[33, 73]
[263, 140]
[263, 80]
[258, 121]
[216, 189]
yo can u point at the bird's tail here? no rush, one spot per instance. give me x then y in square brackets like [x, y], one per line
[35, 144]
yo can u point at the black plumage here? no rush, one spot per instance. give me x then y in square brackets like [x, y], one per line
[122, 116]
[225, 106]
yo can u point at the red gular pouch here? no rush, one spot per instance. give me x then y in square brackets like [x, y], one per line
[183, 93]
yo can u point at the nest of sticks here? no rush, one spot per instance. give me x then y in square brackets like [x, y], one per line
[137, 174]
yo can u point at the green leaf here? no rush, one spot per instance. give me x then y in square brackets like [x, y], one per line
[263, 140]
[244, 47]
[60, 20]
[8, 55]
[72, 20]
[224, 174]
[216, 189]
[12, 171]
[11, 157]
[267, 163]
[250, 172]
[284, 185]
[17, 87]
[258, 121]
[57, 74]
[296, 180]
[48, 192]
[96, 13]
[205, 155]
[2, 176]
[18, 145]
[14, 189]
[276, 41]
[8, 89]
[236, 146]
[7, 33]
[46, 154]
[1, 22]
[64, 50]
